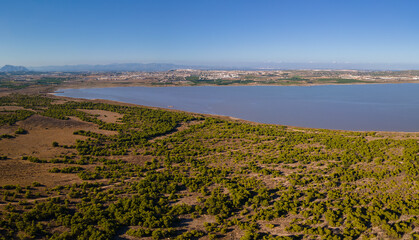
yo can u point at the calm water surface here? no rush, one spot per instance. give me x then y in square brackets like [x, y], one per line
[378, 107]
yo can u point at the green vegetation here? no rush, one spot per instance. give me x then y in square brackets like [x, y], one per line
[250, 180]
[10, 118]
[49, 81]
[294, 79]
[161, 83]
[12, 84]
[340, 80]
[21, 131]
[196, 80]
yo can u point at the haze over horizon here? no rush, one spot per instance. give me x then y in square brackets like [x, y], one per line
[42, 33]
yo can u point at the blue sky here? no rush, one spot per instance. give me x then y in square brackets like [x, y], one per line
[40, 32]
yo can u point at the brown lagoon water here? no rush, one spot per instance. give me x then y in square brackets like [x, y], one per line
[376, 107]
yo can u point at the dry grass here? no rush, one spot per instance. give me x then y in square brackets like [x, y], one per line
[42, 131]
[106, 116]
[11, 108]
[14, 171]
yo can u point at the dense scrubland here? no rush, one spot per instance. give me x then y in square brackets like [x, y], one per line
[165, 174]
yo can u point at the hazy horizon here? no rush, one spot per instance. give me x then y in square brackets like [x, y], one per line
[237, 64]
[164, 66]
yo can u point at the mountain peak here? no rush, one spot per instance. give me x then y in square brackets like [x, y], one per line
[11, 68]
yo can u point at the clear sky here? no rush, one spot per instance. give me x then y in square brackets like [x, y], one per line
[58, 32]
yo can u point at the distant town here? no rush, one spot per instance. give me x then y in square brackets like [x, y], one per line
[17, 78]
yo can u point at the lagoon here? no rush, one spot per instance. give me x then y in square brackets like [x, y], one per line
[370, 107]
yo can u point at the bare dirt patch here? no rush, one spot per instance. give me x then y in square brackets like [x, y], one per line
[7, 129]
[106, 116]
[188, 198]
[38, 121]
[13, 171]
[11, 108]
[42, 132]
[393, 135]
[59, 101]
[198, 223]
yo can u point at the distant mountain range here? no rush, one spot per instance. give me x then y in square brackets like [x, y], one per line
[117, 67]
[11, 68]
[157, 67]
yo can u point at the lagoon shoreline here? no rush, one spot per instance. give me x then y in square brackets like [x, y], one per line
[184, 96]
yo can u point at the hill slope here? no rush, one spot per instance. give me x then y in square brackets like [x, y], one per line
[111, 170]
[11, 68]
